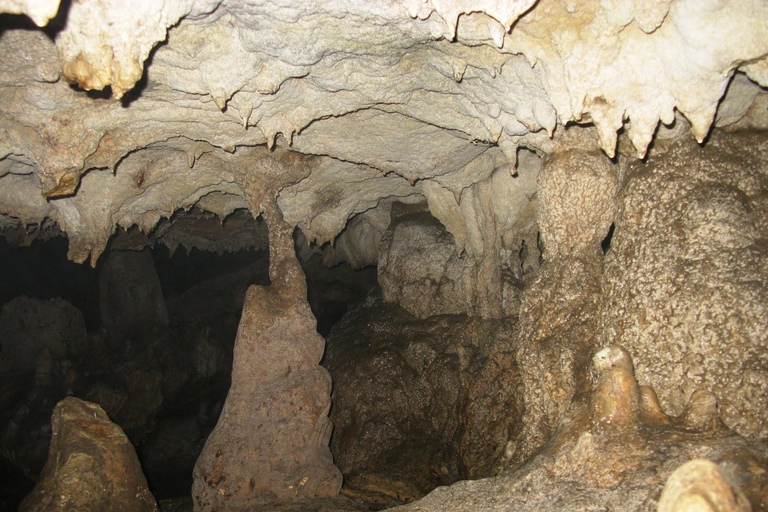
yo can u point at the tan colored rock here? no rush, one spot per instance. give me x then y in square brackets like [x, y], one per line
[420, 403]
[701, 486]
[590, 464]
[615, 400]
[686, 281]
[270, 444]
[419, 269]
[559, 321]
[91, 465]
[40, 11]
[329, 78]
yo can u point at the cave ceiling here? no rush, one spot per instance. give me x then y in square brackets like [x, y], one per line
[118, 114]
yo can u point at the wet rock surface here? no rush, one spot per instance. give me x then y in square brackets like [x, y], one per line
[91, 466]
[418, 403]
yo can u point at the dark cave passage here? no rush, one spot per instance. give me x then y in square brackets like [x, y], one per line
[146, 334]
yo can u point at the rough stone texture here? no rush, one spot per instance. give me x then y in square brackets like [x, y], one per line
[91, 465]
[28, 326]
[40, 338]
[458, 259]
[686, 279]
[130, 297]
[614, 450]
[560, 309]
[419, 403]
[400, 99]
[270, 444]
[420, 270]
[699, 484]
[364, 103]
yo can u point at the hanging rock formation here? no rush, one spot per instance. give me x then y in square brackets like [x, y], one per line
[91, 465]
[324, 114]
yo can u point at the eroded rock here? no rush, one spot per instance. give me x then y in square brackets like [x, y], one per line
[686, 281]
[419, 403]
[419, 267]
[91, 465]
[606, 455]
[270, 444]
[559, 314]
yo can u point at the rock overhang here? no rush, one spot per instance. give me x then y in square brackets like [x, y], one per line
[395, 100]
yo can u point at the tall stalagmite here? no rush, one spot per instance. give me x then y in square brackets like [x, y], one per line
[271, 442]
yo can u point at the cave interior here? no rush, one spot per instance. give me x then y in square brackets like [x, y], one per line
[419, 255]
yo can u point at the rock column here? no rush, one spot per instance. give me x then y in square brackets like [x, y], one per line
[271, 442]
[559, 316]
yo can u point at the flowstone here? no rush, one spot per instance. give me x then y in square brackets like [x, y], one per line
[686, 279]
[559, 315]
[270, 445]
[614, 450]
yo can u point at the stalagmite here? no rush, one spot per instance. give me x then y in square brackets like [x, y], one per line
[271, 442]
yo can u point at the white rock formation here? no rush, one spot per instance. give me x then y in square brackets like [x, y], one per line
[397, 100]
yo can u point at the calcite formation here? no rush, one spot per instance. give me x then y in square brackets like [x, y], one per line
[419, 403]
[91, 465]
[615, 449]
[270, 444]
[686, 279]
[447, 90]
[560, 309]
[478, 152]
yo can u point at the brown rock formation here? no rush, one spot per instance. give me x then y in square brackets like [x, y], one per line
[271, 442]
[686, 279]
[700, 485]
[419, 403]
[91, 465]
[606, 456]
[559, 312]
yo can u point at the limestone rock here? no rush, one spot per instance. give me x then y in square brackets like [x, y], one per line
[131, 300]
[29, 325]
[441, 87]
[686, 281]
[419, 403]
[560, 309]
[590, 464]
[91, 465]
[420, 269]
[270, 444]
[699, 484]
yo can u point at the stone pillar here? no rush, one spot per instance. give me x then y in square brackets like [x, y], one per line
[686, 279]
[559, 315]
[271, 442]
